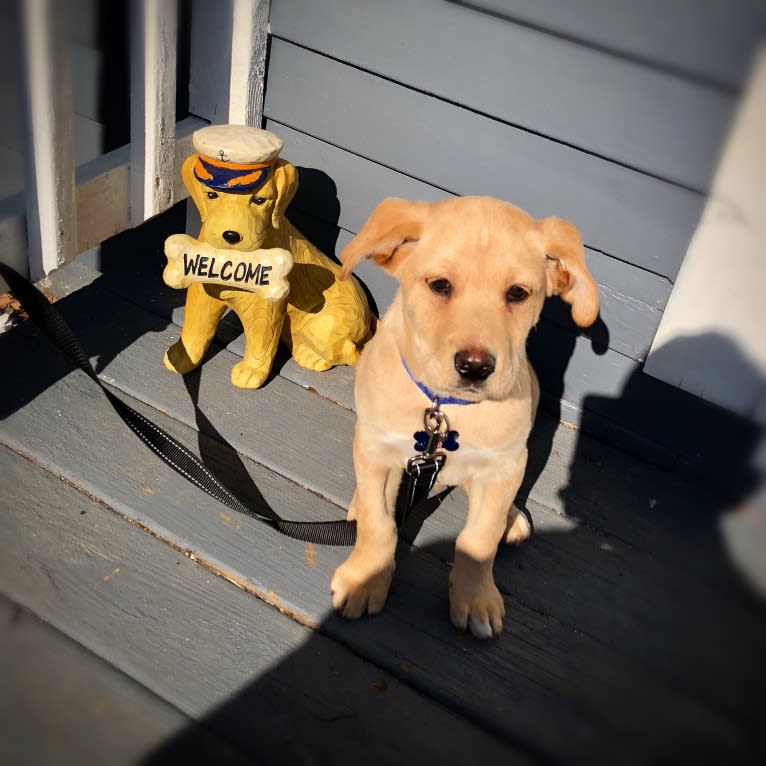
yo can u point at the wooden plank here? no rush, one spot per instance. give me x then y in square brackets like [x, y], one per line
[621, 212]
[711, 40]
[88, 139]
[615, 108]
[625, 325]
[613, 388]
[609, 703]
[119, 337]
[624, 406]
[103, 198]
[152, 107]
[247, 673]
[49, 148]
[62, 704]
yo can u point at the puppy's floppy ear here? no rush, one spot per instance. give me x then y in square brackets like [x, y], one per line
[286, 180]
[566, 274]
[394, 223]
[197, 190]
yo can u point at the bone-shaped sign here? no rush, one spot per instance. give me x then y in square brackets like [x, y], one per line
[263, 272]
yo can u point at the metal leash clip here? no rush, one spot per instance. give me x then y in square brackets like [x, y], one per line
[424, 467]
[437, 434]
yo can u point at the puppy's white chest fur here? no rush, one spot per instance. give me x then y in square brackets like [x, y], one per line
[478, 462]
[480, 454]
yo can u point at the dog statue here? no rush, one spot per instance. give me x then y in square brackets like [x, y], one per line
[241, 188]
[473, 275]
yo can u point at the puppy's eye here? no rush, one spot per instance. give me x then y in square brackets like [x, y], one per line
[516, 294]
[441, 287]
[212, 195]
[257, 200]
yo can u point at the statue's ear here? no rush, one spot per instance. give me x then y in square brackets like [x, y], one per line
[197, 190]
[566, 273]
[393, 225]
[286, 181]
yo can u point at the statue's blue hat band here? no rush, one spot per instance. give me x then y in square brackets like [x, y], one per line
[231, 177]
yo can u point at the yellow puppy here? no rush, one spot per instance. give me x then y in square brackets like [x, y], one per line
[473, 274]
[323, 321]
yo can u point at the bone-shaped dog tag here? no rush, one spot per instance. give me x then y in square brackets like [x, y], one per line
[437, 434]
[263, 272]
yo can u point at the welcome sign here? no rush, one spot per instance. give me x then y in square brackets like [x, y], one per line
[263, 272]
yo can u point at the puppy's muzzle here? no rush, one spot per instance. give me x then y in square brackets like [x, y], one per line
[232, 237]
[474, 364]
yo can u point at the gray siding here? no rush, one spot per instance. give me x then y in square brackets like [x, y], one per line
[523, 77]
[528, 103]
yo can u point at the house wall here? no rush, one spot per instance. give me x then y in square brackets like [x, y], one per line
[611, 117]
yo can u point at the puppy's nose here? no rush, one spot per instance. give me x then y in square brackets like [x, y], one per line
[474, 364]
[232, 237]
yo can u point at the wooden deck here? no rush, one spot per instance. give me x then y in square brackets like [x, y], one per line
[142, 622]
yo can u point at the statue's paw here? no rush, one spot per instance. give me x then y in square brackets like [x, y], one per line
[306, 357]
[177, 359]
[244, 375]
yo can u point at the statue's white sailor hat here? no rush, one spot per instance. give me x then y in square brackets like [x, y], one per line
[234, 158]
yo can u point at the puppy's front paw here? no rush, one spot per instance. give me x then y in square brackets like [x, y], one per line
[476, 604]
[357, 589]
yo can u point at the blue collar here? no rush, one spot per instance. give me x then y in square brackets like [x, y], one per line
[432, 395]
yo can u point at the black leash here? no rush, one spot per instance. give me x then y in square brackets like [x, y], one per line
[422, 469]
